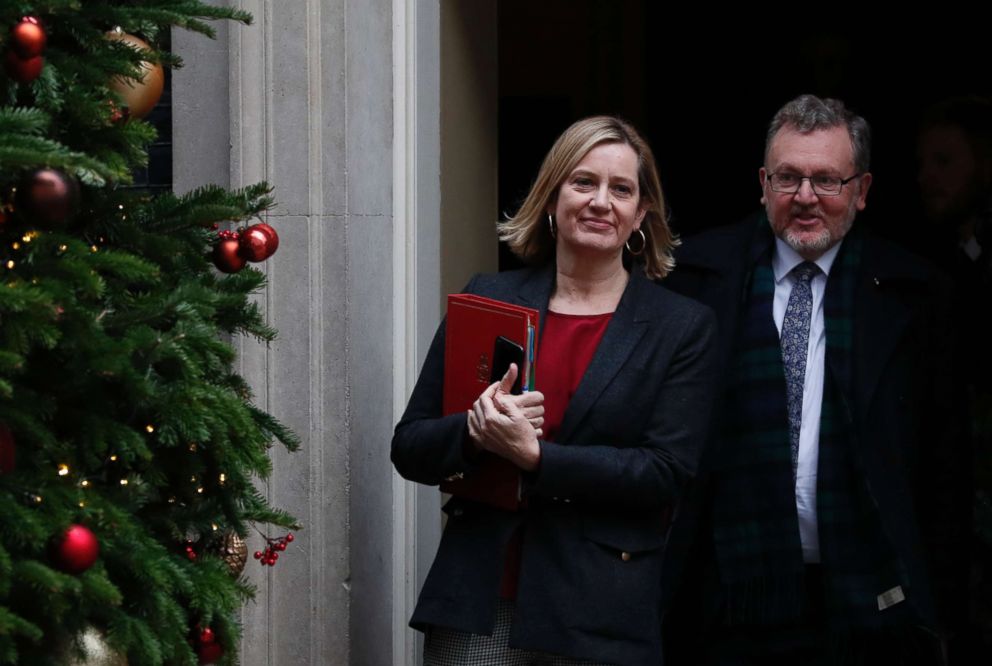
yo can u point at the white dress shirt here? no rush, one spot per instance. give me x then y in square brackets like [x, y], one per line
[783, 261]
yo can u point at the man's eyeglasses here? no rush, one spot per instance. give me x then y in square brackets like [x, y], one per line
[789, 183]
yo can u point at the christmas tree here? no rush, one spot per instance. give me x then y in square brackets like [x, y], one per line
[128, 444]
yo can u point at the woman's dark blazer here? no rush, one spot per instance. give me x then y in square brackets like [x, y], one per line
[596, 522]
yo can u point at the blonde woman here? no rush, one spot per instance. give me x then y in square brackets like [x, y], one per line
[605, 444]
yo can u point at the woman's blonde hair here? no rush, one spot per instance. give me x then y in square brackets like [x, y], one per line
[528, 233]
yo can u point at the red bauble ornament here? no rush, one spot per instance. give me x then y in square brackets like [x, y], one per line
[142, 95]
[259, 242]
[208, 653]
[227, 255]
[207, 635]
[47, 197]
[28, 38]
[23, 70]
[8, 450]
[77, 549]
[273, 238]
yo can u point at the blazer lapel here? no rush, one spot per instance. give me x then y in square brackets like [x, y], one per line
[627, 326]
[535, 292]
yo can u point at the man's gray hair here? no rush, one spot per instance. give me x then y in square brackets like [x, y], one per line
[808, 113]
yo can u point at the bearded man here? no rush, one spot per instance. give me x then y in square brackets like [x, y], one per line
[826, 525]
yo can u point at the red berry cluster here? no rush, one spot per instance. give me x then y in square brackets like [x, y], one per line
[272, 549]
[118, 114]
[190, 553]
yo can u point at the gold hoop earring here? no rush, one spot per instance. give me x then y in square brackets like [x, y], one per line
[644, 243]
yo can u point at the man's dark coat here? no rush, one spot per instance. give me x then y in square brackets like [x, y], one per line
[907, 413]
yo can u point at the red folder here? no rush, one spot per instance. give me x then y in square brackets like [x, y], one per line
[473, 325]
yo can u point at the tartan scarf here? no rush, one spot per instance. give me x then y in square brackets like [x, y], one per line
[755, 522]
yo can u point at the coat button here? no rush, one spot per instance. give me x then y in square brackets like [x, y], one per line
[625, 556]
[457, 512]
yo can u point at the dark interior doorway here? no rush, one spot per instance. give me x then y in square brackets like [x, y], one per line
[702, 87]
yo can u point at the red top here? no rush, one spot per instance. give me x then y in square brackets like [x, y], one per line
[567, 346]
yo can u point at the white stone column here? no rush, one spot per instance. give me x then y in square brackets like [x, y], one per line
[303, 99]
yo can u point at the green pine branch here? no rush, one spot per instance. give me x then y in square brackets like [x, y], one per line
[117, 376]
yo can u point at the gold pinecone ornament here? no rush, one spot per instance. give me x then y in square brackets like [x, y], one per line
[234, 551]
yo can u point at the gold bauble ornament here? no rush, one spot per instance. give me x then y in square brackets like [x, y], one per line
[140, 97]
[234, 551]
[97, 652]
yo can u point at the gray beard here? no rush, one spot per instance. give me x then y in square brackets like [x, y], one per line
[803, 243]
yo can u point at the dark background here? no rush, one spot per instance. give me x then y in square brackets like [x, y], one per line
[702, 88]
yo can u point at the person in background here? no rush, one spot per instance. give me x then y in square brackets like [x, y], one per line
[954, 150]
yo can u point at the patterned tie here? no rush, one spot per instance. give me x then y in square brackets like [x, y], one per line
[795, 346]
